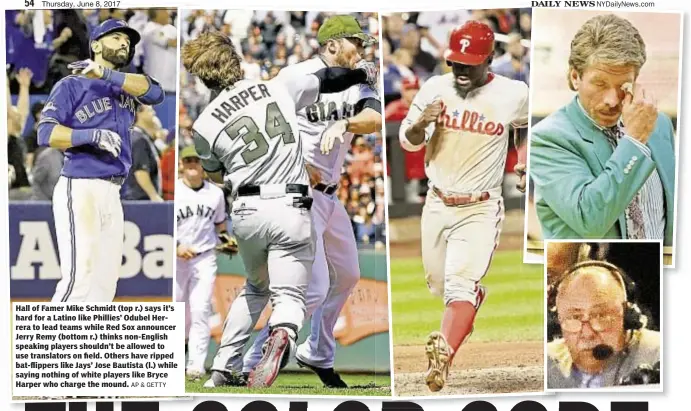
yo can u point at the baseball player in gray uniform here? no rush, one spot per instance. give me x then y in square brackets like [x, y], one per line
[247, 138]
[336, 270]
[89, 115]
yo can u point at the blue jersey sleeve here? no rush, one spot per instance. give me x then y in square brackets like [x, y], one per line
[59, 108]
[154, 95]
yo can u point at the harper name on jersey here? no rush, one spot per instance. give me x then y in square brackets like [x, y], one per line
[104, 105]
[238, 101]
[254, 135]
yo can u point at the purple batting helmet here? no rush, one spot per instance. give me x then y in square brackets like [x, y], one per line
[113, 26]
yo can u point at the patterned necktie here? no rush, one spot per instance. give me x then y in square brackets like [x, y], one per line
[635, 226]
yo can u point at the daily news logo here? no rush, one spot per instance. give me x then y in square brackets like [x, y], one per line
[210, 405]
[590, 3]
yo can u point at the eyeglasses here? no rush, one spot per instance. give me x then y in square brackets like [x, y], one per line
[599, 322]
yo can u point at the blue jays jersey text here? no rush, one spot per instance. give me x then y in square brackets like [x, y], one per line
[80, 103]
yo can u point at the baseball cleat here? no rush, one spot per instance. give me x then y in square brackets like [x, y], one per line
[438, 354]
[328, 376]
[275, 350]
[225, 379]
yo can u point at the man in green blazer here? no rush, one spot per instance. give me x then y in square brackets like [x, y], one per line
[604, 165]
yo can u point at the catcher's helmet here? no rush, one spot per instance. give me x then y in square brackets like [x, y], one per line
[470, 44]
[112, 26]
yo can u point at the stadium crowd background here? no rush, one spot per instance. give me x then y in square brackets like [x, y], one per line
[269, 41]
[40, 45]
[413, 46]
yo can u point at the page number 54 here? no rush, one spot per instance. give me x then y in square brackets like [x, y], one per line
[28, 3]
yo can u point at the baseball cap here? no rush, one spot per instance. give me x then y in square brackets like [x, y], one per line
[409, 83]
[342, 26]
[188, 152]
[115, 26]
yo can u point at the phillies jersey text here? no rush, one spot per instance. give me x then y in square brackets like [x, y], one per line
[467, 145]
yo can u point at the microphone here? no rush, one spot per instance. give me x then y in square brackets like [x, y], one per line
[602, 352]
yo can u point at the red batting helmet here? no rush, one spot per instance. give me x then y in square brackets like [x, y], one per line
[470, 44]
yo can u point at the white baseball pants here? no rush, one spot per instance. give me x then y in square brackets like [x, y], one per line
[275, 241]
[458, 244]
[194, 285]
[89, 226]
[335, 273]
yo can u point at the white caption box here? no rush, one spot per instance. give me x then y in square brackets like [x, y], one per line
[96, 349]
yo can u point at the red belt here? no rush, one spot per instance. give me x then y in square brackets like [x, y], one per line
[460, 199]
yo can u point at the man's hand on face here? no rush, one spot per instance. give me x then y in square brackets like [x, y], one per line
[639, 112]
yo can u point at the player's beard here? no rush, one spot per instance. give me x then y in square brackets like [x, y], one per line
[346, 60]
[115, 57]
[461, 91]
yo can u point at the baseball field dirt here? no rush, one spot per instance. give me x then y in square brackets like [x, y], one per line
[479, 368]
[505, 353]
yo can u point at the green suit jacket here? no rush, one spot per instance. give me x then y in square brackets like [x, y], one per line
[583, 186]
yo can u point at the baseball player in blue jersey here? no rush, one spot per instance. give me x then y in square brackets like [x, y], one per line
[89, 115]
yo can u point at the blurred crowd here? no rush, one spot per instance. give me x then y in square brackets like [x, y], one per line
[40, 45]
[269, 41]
[413, 46]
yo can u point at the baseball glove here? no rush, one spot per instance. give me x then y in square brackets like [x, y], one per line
[228, 245]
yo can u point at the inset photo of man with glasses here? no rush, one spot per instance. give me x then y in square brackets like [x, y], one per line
[604, 315]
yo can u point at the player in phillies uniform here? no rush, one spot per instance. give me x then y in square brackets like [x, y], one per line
[335, 271]
[248, 138]
[463, 118]
[200, 210]
[89, 116]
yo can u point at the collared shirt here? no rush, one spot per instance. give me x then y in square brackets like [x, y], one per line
[652, 198]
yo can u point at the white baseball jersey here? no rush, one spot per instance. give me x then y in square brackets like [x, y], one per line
[197, 213]
[469, 141]
[250, 130]
[317, 117]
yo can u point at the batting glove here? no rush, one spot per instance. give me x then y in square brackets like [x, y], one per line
[371, 70]
[333, 133]
[109, 141]
[86, 68]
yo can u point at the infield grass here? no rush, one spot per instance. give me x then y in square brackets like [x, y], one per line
[512, 311]
[289, 383]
